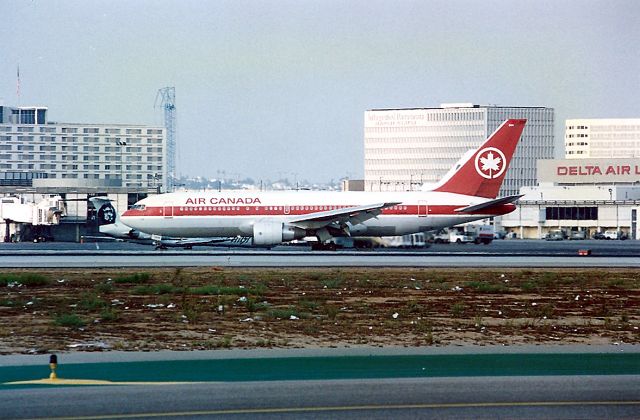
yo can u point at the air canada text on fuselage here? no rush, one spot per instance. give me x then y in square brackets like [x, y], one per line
[216, 201]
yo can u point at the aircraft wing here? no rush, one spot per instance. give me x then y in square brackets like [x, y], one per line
[352, 215]
[498, 201]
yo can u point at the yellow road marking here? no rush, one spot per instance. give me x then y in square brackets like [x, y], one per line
[348, 408]
[48, 381]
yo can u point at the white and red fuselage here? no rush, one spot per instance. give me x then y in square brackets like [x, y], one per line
[272, 217]
[233, 213]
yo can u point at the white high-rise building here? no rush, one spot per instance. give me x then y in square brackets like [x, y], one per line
[404, 148]
[71, 154]
[602, 138]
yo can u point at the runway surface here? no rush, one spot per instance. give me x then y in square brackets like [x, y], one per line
[514, 253]
[57, 260]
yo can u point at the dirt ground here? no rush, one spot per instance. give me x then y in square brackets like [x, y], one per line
[208, 308]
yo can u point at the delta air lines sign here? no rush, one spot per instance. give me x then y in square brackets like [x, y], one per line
[589, 171]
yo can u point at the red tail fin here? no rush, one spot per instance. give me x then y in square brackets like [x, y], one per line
[482, 174]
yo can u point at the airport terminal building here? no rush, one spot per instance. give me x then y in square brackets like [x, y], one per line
[39, 157]
[590, 195]
[404, 148]
[596, 187]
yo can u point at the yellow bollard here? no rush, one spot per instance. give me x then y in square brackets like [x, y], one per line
[53, 364]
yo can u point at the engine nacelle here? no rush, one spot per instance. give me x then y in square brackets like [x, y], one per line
[274, 233]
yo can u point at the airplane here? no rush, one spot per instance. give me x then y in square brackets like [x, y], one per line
[109, 224]
[274, 217]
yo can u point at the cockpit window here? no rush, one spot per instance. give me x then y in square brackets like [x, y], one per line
[138, 207]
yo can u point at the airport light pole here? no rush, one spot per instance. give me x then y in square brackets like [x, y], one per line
[121, 144]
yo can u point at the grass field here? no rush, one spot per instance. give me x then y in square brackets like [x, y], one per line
[208, 308]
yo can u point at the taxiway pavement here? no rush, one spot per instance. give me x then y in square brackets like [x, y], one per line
[467, 382]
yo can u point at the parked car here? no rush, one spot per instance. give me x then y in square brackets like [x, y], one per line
[610, 234]
[598, 235]
[577, 235]
[615, 234]
[499, 234]
[554, 235]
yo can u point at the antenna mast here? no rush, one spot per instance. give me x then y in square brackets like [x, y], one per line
[166, 98]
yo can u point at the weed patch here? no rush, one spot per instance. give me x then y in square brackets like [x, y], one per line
[457, 309]
[103, 288]
[156, 289]
[486, 287]
[25, 279]
[331, 311]
[286, 313]
[91, 302]
[109, 314]
[136, 278]
[69, 320]
[221, 290]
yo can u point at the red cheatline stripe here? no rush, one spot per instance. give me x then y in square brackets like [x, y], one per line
[408, 210]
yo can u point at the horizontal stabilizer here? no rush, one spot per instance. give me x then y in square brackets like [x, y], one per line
[491, 203]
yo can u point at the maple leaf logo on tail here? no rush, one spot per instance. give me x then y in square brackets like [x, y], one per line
[490, 163]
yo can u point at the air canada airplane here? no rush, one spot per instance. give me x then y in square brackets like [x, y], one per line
[270, 218]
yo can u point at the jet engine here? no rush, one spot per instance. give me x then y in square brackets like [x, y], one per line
[274, 233]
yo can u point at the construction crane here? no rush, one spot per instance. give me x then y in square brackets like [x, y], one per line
[166, 98]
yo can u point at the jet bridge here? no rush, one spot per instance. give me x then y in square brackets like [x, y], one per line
[26, 220]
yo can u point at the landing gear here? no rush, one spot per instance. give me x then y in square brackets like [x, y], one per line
[317, 246]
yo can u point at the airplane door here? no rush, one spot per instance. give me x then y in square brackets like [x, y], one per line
[287, 209]
[167, 210]
[423, 208]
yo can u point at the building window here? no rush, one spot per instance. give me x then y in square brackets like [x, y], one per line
[572, 213]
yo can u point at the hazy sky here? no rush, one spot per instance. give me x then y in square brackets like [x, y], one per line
[279, 88]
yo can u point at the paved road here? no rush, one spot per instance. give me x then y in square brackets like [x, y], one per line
[479, 397]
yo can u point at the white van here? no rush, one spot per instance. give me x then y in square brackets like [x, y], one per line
[611, 234]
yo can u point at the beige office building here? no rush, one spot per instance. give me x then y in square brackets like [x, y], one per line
[602, 138]
[406, 148]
